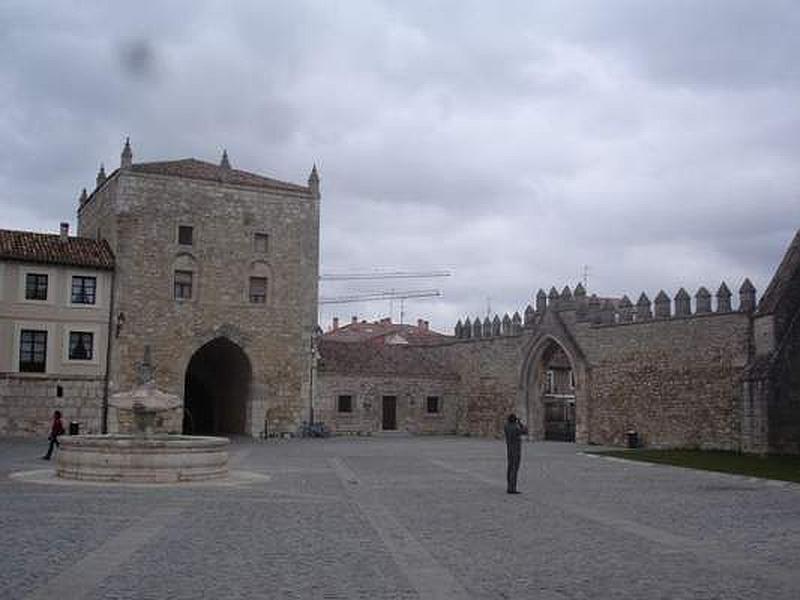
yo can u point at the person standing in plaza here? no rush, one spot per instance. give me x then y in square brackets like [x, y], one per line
[56, 429]
[514, 430]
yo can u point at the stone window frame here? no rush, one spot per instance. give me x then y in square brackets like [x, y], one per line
[258, 269]
[182, 227]
[186, 263]
[258, 298]
[261, 235]
[438, 405]
[350, 405]
[183, 290]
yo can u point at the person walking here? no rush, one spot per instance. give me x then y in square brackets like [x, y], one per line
[514, 431]
[56, 429]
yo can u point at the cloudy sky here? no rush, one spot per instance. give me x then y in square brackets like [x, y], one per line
[511, 143]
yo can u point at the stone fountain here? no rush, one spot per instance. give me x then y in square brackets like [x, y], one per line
[143, 446]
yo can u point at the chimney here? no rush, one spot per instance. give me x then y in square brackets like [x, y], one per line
[354, 319]
[427, 325]
[64, 232]
[335, 323]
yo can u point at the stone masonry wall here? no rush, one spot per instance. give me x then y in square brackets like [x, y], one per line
[367, 392]
[676, 382]
[27, 404]
[489, 372]
[147, 210]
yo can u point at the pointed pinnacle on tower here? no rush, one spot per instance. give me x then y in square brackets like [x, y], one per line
[224, 162]
[313, 181]
[101, 175]
[126, 158]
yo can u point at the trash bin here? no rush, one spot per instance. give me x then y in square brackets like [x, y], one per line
[74, 428]
[632, 438]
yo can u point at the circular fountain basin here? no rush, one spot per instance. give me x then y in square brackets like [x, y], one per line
[157, 458]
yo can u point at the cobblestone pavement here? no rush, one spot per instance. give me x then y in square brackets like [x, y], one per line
[403, 518]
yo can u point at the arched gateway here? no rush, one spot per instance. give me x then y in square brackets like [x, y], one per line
[552, 384]
[216, 390]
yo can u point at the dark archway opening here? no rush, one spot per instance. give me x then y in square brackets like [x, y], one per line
[216, 389]
[557, 379]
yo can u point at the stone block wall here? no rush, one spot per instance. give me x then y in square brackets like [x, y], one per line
[27, 404]
[140, 213]
[677, 383]
[367, 392]
[489, 371]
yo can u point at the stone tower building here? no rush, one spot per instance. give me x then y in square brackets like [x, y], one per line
[216, 271]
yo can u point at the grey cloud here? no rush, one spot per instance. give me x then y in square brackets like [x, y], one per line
[656, 142]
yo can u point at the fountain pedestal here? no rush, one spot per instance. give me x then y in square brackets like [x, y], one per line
[142, 448]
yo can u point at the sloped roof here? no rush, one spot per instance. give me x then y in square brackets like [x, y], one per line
[49, 248]
[192, 168]
[785, 276]
[380, 331]
[378, 359]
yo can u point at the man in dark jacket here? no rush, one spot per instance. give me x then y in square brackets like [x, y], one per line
[514, 431]
[56, 429]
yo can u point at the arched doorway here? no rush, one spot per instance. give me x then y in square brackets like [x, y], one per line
[551, 393]
[216, 389]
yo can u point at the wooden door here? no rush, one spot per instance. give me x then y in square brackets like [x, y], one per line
[389, 413]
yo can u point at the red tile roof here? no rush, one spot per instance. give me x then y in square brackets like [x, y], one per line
[49, 248]
[377, 359]
[197, 169]
[380, 331]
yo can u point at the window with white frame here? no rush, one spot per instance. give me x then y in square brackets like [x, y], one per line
[81, 345]
[32, 351]
[84, 289]
[35, 286]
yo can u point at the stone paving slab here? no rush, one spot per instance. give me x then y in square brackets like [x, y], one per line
[402, 518]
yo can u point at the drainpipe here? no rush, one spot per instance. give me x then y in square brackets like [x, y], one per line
[109, 334]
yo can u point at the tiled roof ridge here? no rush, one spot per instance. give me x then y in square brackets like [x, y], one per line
[50, 248]
[194, 168]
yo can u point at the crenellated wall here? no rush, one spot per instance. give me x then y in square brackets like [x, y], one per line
[672, 374]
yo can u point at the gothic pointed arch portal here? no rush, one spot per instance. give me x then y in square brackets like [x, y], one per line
[216, 390]
[553, 392]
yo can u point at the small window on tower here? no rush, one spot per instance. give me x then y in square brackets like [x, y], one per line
[433, 404]
[185, 235]
[261, 242]
[183, 285]
[258, 290]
